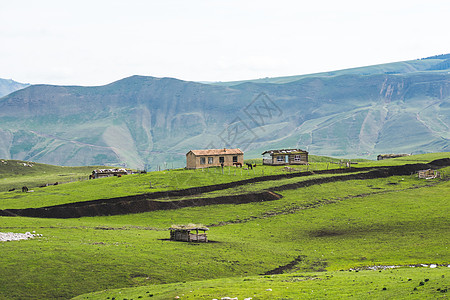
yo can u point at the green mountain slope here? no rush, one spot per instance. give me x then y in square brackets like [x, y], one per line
[436, 63]
[153, 122]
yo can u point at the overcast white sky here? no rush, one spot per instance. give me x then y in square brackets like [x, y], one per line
[96, 42]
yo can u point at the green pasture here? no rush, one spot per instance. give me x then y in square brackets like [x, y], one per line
[105, 188]
[412, 159]
[399, 283]
[326, 229]
[330, 228]
[14, 174]
[292, 200]
[111, 187]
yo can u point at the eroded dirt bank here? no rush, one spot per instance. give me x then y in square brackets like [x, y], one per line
[133, 206]
[147, 202]
[382, 172]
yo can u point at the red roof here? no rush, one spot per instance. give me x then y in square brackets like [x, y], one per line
[223, 151]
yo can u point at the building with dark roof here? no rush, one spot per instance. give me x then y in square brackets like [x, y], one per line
[285, 157]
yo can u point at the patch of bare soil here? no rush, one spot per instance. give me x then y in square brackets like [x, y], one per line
[286, 267]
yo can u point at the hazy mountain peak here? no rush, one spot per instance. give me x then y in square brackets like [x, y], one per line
[8, 86]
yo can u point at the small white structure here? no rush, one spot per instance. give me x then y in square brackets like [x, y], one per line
[101, 173]
[428, 174]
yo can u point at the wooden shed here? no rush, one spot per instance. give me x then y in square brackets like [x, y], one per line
[285, 157]
[188, 233]
[214, 158]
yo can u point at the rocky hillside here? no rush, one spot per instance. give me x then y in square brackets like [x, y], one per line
[149, 122]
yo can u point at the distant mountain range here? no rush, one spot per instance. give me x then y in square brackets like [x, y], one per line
[146, 122]
[7, 86]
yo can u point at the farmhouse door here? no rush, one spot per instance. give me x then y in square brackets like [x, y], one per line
[286, 159]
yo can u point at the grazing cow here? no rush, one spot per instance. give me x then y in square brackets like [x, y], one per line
[24, 189]
[237, 164]
[250, 166]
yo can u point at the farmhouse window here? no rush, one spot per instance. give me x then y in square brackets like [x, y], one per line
[210, 160]
[221, 159]
[202, 160]
[298, 157]
[280, 158]
[235, 159]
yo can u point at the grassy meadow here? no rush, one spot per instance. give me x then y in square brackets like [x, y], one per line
[401, 283]
[325, 235]
[14, 174]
